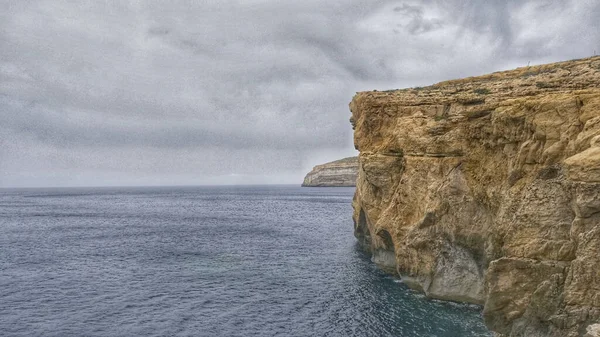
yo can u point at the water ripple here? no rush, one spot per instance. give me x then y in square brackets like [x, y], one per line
[201, 261]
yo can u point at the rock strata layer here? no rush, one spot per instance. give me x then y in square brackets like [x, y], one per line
[339, 173]
[487, 190]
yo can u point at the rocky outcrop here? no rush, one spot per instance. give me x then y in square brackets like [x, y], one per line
[593, 331]
[339, 173]
[487, 190]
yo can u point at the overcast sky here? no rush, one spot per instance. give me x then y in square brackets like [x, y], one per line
[211, 92]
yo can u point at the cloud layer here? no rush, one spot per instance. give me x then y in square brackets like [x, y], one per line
[198, 92]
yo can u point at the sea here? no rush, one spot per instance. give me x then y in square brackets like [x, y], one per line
[202, 261]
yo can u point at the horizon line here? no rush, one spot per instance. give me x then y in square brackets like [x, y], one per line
[128, 186]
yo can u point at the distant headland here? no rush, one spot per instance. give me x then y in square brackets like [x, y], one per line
[339, 173]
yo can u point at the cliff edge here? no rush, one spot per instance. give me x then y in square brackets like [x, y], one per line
[339, 173]
[487, 190]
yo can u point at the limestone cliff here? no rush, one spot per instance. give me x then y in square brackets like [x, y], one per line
[337, 173]
[487, 190]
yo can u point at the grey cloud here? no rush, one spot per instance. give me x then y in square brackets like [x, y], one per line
[89, 86]
[418, 24]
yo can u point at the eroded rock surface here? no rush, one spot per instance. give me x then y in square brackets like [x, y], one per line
[339, 173]
[487, 190]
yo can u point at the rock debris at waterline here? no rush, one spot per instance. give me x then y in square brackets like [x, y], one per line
[487, 190]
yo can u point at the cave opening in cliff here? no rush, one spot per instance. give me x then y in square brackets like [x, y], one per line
[386, 237]
[361, 229]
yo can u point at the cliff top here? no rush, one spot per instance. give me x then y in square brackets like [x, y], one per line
[560, 77]
[349, 161]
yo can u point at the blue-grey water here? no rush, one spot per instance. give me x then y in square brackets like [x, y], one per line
[201, 261]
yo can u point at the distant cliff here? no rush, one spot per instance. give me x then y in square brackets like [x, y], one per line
[337, 173]
[487, 190]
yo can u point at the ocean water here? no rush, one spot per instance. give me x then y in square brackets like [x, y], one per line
[201, 261]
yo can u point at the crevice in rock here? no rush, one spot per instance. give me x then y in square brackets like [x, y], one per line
[361, 230]
[434, 155]
[387, 239]
[385, 255]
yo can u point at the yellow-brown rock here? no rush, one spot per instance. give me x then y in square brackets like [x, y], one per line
[339, 173]
[487, 190]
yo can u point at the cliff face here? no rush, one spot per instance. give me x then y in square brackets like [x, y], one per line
[487, 190]
[337, 173]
